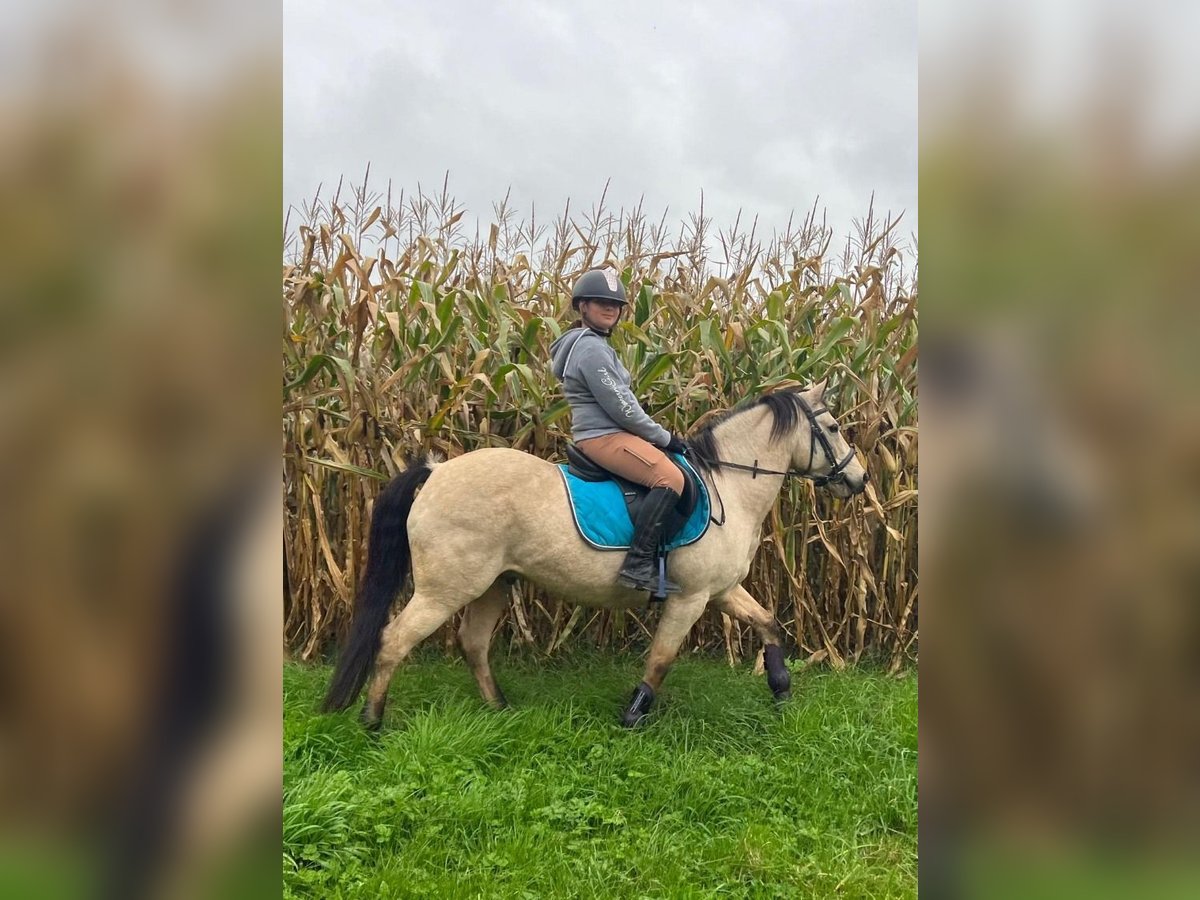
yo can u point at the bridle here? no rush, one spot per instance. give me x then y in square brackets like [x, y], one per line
[816, 434]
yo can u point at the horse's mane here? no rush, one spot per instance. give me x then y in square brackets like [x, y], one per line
[785, 410]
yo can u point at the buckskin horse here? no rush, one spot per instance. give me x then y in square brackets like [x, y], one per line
[494, 513]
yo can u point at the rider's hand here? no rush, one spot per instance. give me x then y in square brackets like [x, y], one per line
[676, 445]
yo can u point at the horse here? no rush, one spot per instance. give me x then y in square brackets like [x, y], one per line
[491, 514]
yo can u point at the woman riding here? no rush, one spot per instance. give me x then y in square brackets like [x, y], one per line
[610, 426]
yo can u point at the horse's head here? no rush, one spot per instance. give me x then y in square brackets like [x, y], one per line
[799, 422]
[822, 451]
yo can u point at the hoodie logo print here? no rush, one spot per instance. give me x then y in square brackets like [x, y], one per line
[607, 380]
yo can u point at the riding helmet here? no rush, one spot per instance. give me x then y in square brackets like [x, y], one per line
[598, 284]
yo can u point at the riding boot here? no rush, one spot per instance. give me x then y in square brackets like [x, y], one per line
[640, 568]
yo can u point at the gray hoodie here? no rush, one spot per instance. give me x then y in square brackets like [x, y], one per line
[597, 387]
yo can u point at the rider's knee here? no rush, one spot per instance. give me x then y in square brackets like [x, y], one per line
[669, 476]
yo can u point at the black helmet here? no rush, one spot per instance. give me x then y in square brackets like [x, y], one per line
[598, 284]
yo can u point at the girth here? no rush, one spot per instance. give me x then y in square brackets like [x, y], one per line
[583, 468]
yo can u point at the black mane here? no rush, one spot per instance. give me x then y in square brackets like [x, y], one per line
[786, 413]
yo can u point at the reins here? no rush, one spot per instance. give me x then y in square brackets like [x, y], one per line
[815, 434]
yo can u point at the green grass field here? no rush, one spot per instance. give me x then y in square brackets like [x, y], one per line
[721, 794]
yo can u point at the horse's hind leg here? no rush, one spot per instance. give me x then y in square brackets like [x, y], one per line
[475, 635]
[740, 605]
[420, 618]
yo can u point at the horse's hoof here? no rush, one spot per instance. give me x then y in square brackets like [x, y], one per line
[779, 680]
[783, 696]
[369, 722]
[639, 706]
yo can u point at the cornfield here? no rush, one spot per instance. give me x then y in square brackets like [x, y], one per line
[405, 334]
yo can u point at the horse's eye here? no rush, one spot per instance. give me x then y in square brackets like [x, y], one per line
[835, 427]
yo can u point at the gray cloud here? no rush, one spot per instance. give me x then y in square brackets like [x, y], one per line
[763, 106]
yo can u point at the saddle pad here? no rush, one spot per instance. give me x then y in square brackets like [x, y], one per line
[602, 517]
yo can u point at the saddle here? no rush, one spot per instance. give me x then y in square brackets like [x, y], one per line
[579, 465]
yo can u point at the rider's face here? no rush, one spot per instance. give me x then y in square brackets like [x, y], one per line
[600, 313]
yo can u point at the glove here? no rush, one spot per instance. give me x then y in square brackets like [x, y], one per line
[677, 445]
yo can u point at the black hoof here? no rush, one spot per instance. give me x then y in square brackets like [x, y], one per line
[782, 696]
[370, 722]
[639, 706]
[779, 680]
[632, 720]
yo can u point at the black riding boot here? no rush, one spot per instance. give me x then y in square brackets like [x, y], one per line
[640, 569]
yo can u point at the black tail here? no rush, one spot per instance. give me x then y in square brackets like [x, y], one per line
[387, 566]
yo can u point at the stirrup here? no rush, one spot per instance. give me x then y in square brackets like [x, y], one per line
[657, 584]
[661, 589]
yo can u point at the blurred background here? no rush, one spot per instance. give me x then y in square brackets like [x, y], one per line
[1060, 490]
[141, 603]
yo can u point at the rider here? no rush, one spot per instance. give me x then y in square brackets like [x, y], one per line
[610, 426]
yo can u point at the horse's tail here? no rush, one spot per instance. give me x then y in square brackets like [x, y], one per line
[387, 566]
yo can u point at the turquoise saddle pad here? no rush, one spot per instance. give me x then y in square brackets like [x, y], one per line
[603, 518]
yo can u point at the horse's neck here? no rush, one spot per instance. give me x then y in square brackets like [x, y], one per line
[745, 439]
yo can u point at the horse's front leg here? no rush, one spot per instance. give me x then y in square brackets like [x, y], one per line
[739, 604]
[679, 615]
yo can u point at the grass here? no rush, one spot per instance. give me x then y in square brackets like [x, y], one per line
[720, 795]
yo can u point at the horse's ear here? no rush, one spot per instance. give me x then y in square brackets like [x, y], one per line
[818, 389]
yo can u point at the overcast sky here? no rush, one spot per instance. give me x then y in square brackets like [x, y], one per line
[764, 106]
